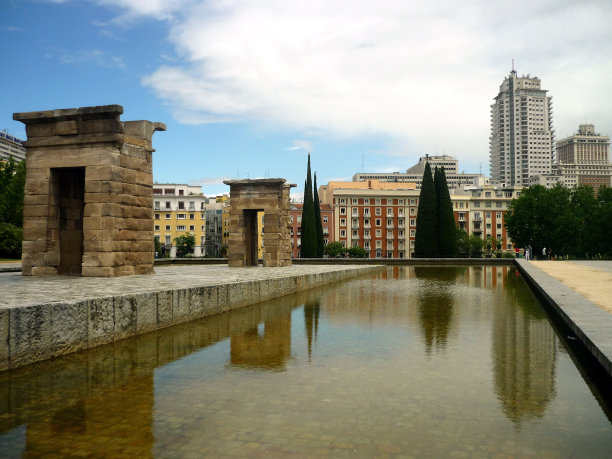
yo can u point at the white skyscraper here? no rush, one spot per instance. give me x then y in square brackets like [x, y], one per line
[522, 138]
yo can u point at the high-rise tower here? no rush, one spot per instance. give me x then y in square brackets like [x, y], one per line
[522, 137]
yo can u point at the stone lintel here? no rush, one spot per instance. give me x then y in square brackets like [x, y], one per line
[46, 116]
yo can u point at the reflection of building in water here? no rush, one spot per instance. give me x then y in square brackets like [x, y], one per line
[267, 346]
[524, 355]
[102, 403]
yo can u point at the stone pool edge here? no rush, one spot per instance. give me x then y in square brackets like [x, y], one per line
[591, 325]
[39, 332]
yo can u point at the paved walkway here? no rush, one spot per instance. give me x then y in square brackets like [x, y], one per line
[591, 279]
[18, 290]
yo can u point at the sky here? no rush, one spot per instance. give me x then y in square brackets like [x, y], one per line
[247, 89]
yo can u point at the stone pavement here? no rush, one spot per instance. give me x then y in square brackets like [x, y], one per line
[591, 279]
[580, 293]
[18, 290]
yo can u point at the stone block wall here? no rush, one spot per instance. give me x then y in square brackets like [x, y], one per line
[88, 205]
[271, 196]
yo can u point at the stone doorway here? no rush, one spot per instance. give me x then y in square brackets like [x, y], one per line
[247, 197]
[68, 196]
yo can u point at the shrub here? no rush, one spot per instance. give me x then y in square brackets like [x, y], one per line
[11, 237]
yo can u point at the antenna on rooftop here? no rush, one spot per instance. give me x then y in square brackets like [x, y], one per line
[513, 71]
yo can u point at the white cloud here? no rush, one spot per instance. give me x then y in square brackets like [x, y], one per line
[420, 73]
[209, 180]
[301, 145]
[91, 56]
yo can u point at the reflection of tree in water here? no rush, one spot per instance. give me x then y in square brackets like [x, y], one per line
[435, 304]
[311, 322]
[524, 354]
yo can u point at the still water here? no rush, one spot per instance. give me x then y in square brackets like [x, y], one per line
[423, 361]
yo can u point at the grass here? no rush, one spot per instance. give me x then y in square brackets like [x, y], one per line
[10, 260]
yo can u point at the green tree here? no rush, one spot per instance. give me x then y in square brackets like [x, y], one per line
[10, 241]
[319, 222]
[462, 241]
[426, 237]
[447, 232]
[12, 184]
[475, 246]
[335, 249]
[356, 252]
[309, 224]
[158, 246]
[184, 245]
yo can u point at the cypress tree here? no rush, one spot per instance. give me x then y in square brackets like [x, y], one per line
[426, 238]
[317, 208]
[447, 231]
[309, 224]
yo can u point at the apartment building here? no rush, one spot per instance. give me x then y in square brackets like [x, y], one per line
[11, 147]
[295, 218]
[522, 136]
[382, 219]
[454, 178]
[179, 209]
[217, 226]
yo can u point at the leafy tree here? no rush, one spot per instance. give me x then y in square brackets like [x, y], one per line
[475, 246]
[12, 184]
[462, 241]
[319, 222]
[334, 249]
[426, 237]
[356, 252]
[10, 241]
[184, 245]
[309, 224]
[447, 234]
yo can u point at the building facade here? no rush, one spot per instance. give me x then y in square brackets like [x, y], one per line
[584, 158]
[522, 136]
[454, 178]
[382, 220]
[295, 219]
[179, 209]
[217, 228]
[11, 147]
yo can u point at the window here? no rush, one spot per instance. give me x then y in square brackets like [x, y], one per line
[366, 201]
[355, 211]
[342, 200]
[156, 205]
[498, 215]
[488, 204]
[378, 222]
[354, 201]
[156, 227]
[366, 211]
[476, 204]
[342, 210]
[412, 233]
[191, 228]
[167, 227]
[412, 211]
[167, 216]
[181, 216]
[156, 216]
[324, 218]
[343, 222]
[389, 222]
[181, 205]
[378, 211]
[378, 201]
[202, 216]
[180, 228]
[191, 205]
[191, 216]
[342, 233]
[167, 204]
[378, 233]
[412, 202]
[202, 228]
[168, 240]
[400, 202]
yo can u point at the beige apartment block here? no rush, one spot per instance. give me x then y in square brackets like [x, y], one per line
[88, 205]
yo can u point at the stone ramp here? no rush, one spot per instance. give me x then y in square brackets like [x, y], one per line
[46, 317]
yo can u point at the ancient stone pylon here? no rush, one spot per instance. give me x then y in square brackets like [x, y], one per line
[88, 205]
[247, 197]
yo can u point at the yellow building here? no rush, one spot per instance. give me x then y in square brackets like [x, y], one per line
[179, 209]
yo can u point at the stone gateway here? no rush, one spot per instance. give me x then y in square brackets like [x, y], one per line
[88, 204]
[247, 197]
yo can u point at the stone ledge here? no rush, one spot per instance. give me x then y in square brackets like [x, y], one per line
[36, 332]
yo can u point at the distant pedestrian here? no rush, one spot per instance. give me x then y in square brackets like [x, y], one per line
[518, 252]
[544, 253]
[528, 252]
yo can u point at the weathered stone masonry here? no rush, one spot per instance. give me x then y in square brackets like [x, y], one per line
[88, 205]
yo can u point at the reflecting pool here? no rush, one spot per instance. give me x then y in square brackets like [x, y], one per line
[422, 361]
